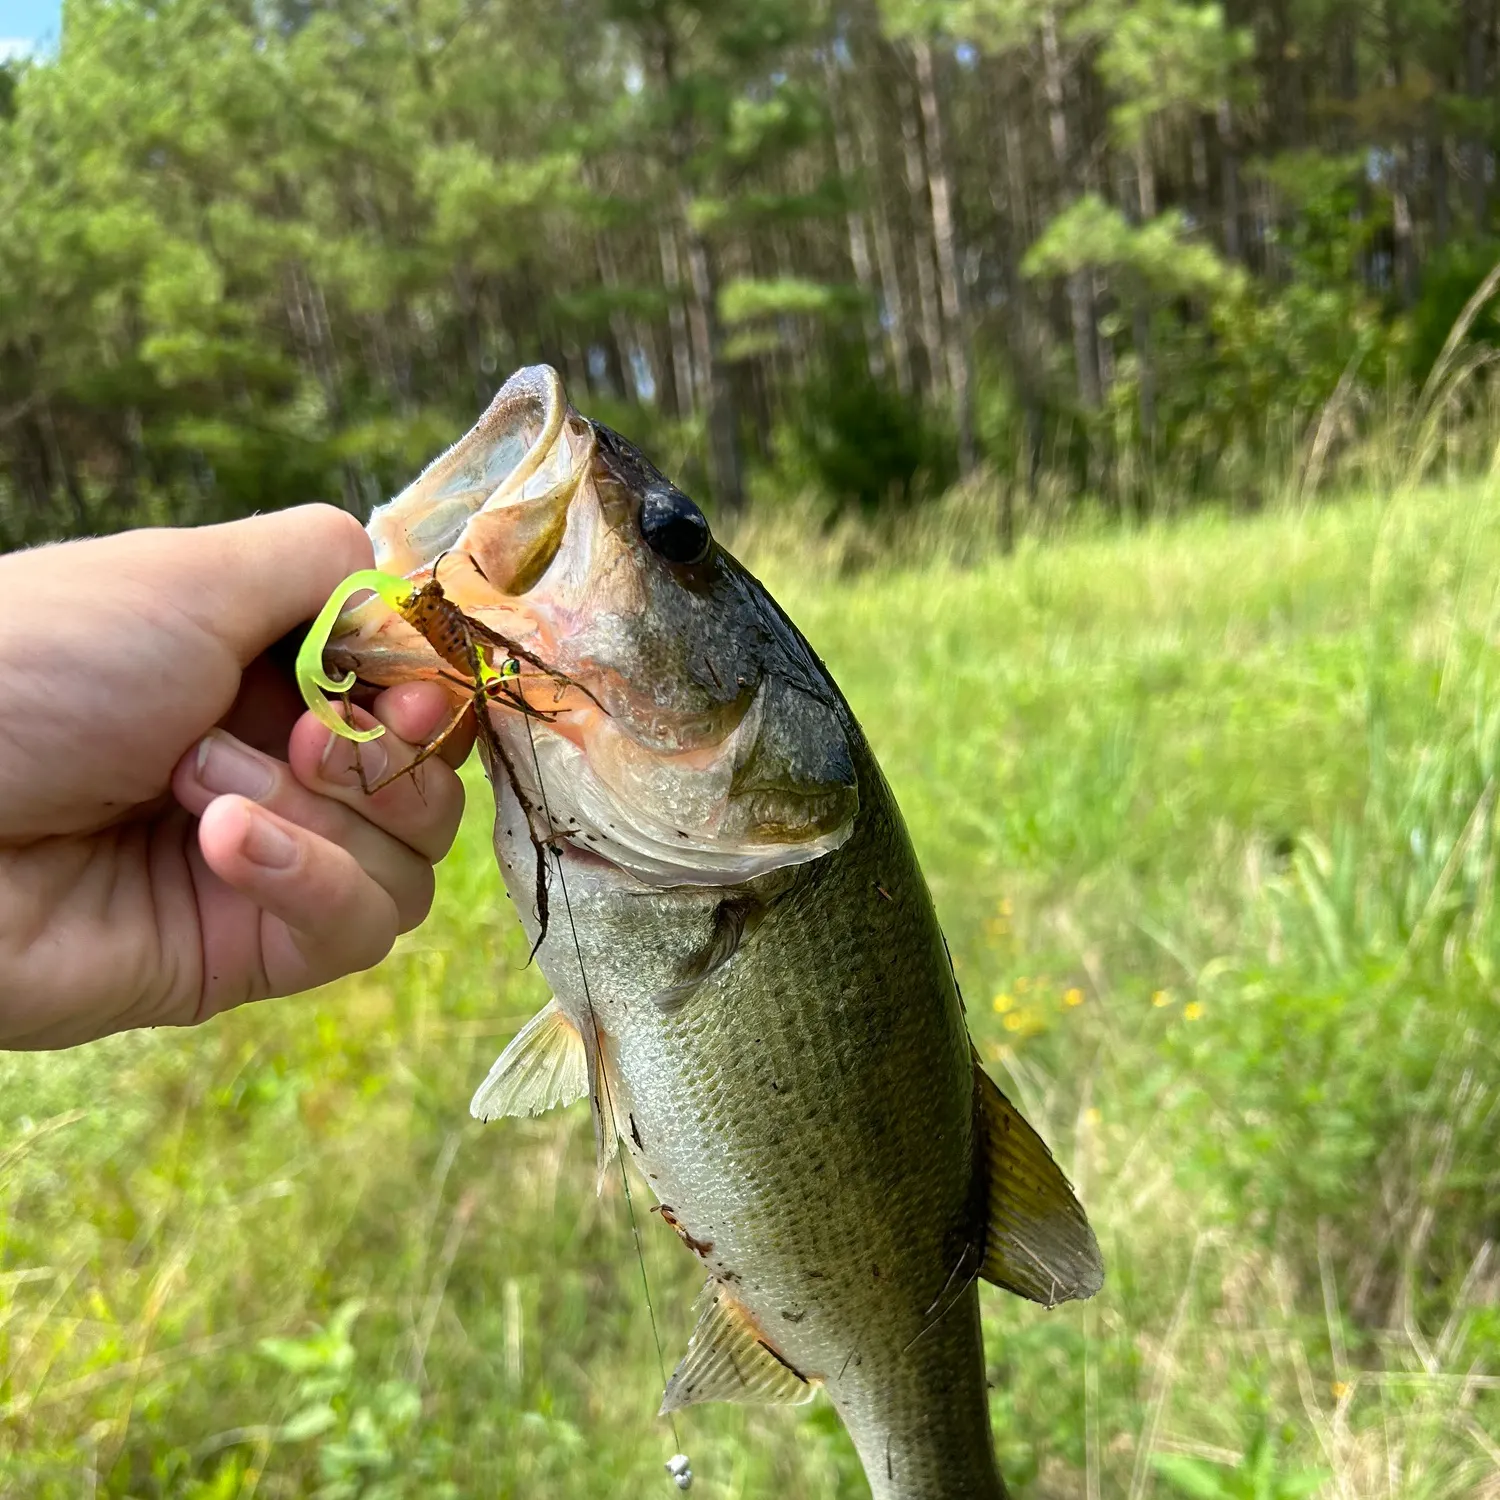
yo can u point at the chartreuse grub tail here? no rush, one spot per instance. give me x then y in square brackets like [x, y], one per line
[314, 683]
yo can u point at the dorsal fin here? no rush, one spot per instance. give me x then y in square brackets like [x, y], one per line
[544, 1065]
[1038, 1243]
[728, 1360]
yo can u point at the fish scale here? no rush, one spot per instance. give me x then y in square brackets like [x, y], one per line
[750, 982]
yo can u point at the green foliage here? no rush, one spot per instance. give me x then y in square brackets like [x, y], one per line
[1164, 59]
[1159, 256]
[745, 299]
[248, 252]
[214, 251]
[859, 442]
[1207, 812]
[1330, 229]
[1258, 1477]
[359, 1436]
[1451, 278]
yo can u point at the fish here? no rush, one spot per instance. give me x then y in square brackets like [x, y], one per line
[750, 982]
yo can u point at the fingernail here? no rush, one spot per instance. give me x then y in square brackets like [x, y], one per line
[342, 760]
[268, 845]
[225, 765]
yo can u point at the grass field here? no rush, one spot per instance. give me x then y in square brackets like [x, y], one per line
[1209, 816]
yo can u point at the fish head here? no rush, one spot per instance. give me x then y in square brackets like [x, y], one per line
[649, 702]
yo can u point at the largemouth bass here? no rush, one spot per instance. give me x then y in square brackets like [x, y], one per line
[751, 985]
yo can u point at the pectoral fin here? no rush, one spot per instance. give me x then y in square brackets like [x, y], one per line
[543, 1066]
[728, 1360]
[1038, 1243]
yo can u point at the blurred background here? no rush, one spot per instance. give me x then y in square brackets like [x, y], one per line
[1108, 391]
[1097, 253]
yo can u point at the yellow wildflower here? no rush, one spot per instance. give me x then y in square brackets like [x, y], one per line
[1192, 1010]
[1025, 1022]
[1002, 1003]
[1073, 997]
[1161, 998]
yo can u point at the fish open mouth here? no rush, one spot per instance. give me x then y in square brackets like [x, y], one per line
[500, 496]
[617, 690]
[464, 543]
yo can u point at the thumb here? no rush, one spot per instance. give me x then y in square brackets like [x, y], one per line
[249, 582]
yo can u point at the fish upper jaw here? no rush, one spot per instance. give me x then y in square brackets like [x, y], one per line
[512, 460]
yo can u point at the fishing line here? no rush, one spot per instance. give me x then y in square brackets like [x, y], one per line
[677, 1466]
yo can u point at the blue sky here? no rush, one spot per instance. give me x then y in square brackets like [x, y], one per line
[25, 24]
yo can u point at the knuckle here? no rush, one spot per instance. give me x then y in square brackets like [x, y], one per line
[414, 900]
[444, 802]
[374, 933]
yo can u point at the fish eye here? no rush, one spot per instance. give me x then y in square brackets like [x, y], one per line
[673, 527]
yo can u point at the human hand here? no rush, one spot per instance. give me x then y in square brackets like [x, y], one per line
[156, 869]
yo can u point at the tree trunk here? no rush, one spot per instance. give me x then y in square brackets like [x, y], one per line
[1476, 154]
[1345, 136]
[1442, 212]
[469, 322]
[1145, 180]
[1079, 287]
[854, 220]
[62, 474]
[1264, 209]
[1141, 333]
[1229, 183]
[1202, 205]
[921, 239]
[955, 341]
[1290, 123]
[891, 295]
[715, 386]
[1022, 340]
[621, 334]
[708, 337]
[684, 382]
[308, 313]
[1402, 228]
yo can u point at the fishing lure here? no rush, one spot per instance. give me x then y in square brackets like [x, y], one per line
[466, 646]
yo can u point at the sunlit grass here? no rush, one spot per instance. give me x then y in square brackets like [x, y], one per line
[1208, 813]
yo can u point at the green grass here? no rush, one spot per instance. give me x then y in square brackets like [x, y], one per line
[1208, 813]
